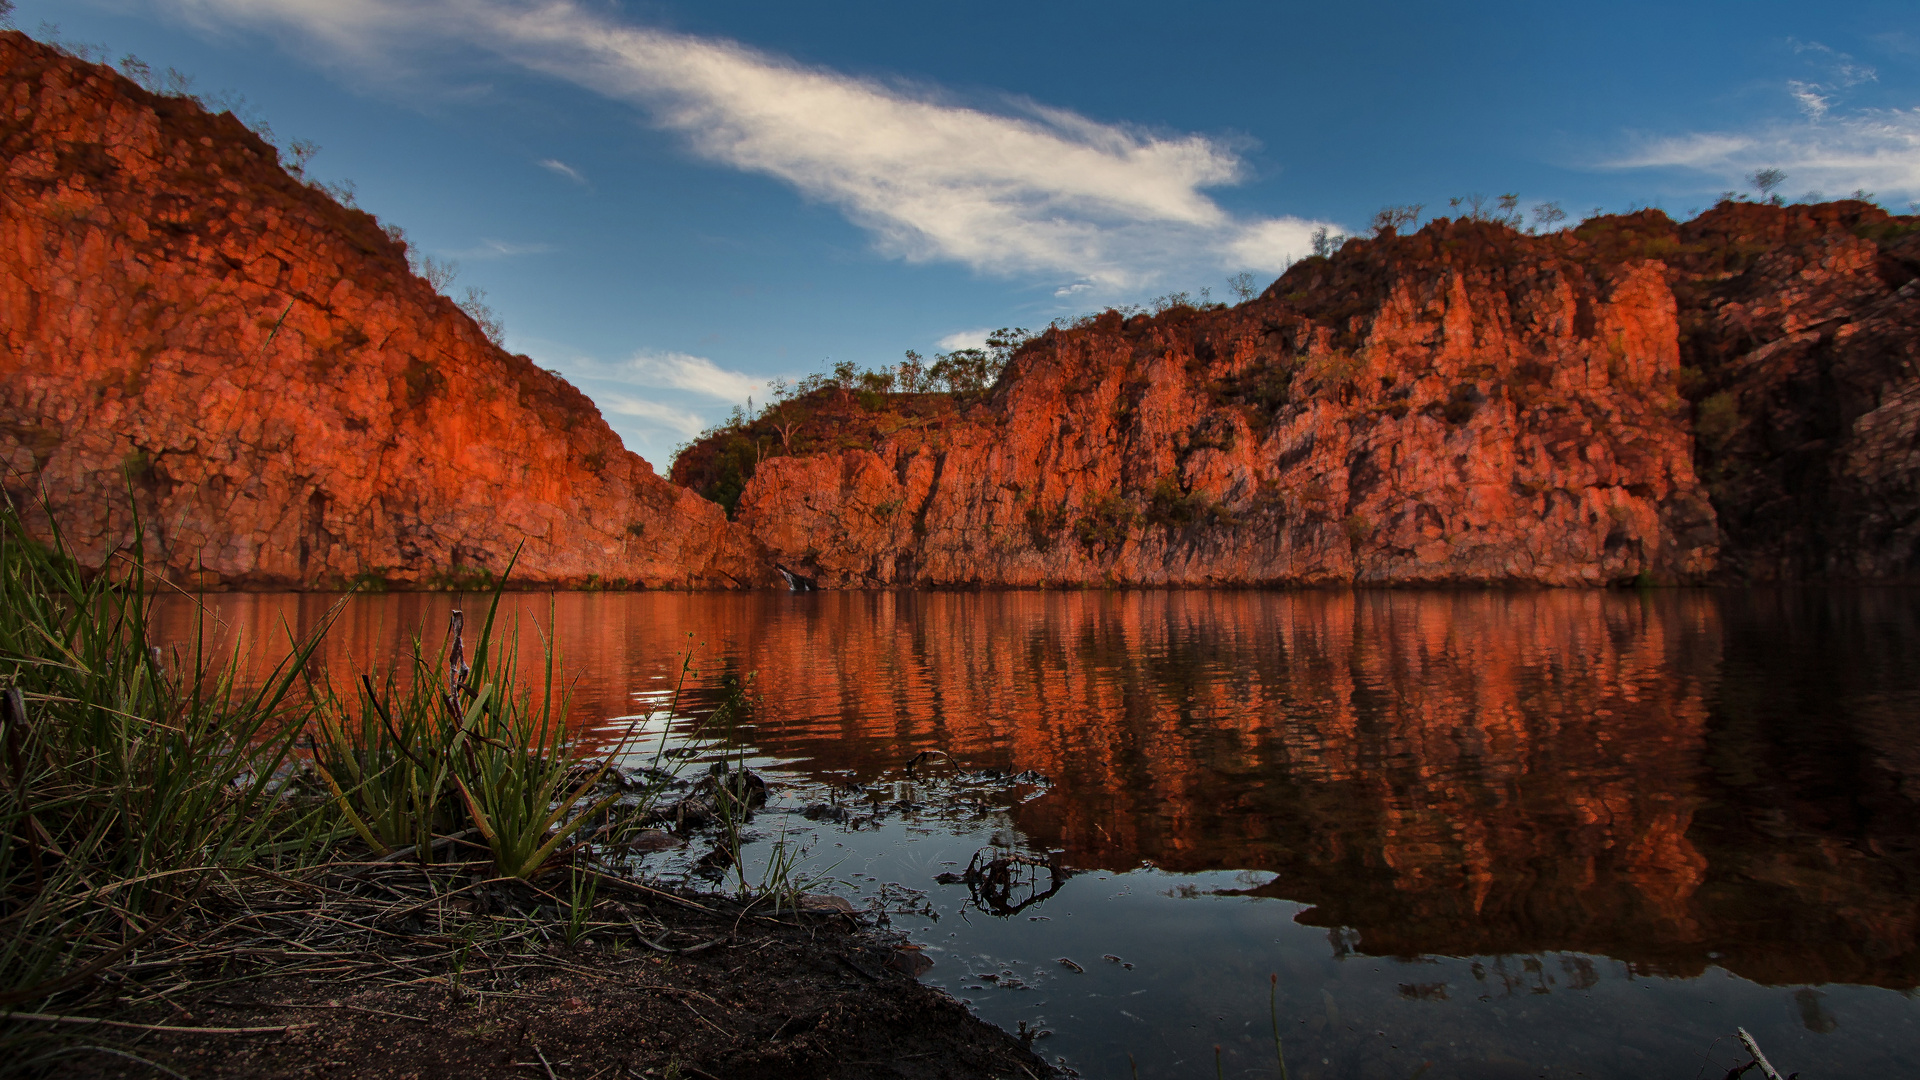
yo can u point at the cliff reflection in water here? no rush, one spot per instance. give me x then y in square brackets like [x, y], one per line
[1674, 779]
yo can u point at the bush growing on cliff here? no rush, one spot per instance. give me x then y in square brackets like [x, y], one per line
[1043, 525]
[1503, 211]
[1767, 182]
[1716, 419]
[1106, 523]
[439, 274]
[1326, 242]
[1171, 508]
[474, 303]
[1394, 219]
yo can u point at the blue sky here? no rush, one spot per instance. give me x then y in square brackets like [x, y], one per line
[670, 202]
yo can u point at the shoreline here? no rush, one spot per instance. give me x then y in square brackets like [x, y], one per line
[515, 588]
[377, 970]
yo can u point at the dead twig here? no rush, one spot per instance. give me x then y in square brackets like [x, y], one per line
[296, 1005]
[657, 947]
[543, 1058]
[93, 1021]
[1766, 1067]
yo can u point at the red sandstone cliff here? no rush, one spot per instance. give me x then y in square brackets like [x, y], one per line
[293, 406]
[1632, 399]
[1735, 396]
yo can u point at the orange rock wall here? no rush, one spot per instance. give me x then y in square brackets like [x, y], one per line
[1463, 405]
[291, 406]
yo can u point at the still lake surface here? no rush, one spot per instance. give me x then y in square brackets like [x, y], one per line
[1483, 834]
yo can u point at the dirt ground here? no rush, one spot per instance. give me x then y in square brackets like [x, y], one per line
[740, 994]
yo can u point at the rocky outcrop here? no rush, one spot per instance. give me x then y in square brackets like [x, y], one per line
[1629, 400]
[288, 403]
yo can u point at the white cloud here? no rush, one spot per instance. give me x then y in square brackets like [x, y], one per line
[1028, 189]
[965, 339]
[1812, 101]
[654, 399]
[682, 371]
[555, 165]
[1828, 148]
[1270, 245]
[1874, 149]
[1074, 289]
[682, 422]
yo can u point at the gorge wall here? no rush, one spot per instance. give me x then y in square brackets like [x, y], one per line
[289, 404]
[1730, 398]
[192, 334]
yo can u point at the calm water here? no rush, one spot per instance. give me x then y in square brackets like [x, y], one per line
[1527, 834]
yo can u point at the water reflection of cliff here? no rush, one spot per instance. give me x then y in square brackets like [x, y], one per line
[1676, 780]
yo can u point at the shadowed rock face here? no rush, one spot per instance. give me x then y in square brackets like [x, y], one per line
[1802, 332]
[1735, 396]
[289, 404]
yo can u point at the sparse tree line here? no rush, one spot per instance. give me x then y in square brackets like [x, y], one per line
[1767, 183]
[1548, 216]
[959, 372]
[962, 371]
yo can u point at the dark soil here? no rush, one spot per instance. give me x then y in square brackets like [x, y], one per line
[807, 995]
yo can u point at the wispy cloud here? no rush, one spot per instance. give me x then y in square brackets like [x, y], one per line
[697, 374]
[1812, 102]
[1875, 149]
[500, 249]
[1026, 189]
[561, 168]
[654, 399]
[682, 422]
[1841, 67]
[1826, 148]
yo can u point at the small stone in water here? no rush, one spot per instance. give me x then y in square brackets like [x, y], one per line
[651, 840]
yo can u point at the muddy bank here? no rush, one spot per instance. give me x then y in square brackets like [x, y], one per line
[661, 985]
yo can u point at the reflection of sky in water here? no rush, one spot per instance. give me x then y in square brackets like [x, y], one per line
[1528, 833]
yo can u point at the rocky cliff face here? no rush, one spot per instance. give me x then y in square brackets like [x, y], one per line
[1629, 400]
[290, 405]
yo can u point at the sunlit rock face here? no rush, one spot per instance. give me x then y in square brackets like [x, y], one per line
[289, 404]
[1467, 404]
